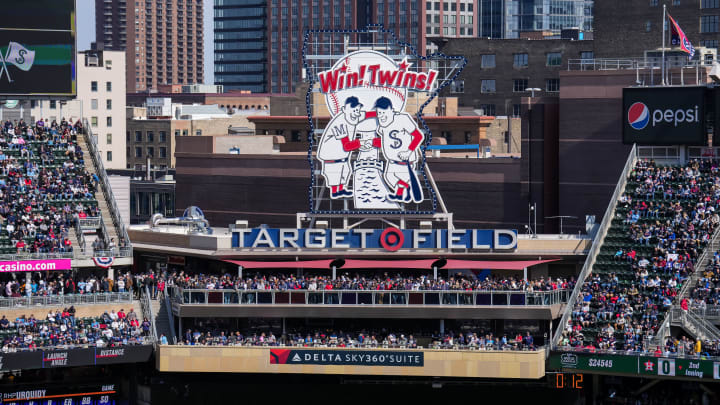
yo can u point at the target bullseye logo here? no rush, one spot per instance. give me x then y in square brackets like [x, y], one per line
[392, 239]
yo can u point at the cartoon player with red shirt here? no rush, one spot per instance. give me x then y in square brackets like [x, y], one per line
[400, 141]
[337, 144]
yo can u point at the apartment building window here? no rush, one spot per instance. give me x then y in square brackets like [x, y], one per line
[554, 58]
[151, 151]
[675, 2]
[709, 24]
[108, 155]
[457, 86]
[93, 121]
[487, 86]
[138, 152]
[53, 104]
[108, 104]
[198, 132]
[93, 104]
[108, 86]
[163, 152]
[93, 86]
[653, 3]
[552, 85]
[150, 136]
[710, 4]
[488, 109]
[108, 121]
[138, 136]
[162, 137]
[519, 85]
[709, 43]
[520, 60]
[587, 55]
[108, 139]
[487, 61]
[177, 132]
[648, 26]
[517, 110]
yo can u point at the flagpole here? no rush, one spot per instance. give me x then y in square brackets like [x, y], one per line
[663, 43]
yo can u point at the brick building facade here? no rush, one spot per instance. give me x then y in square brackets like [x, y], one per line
[499, 70]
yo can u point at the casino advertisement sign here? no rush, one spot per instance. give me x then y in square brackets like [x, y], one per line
[370, 157]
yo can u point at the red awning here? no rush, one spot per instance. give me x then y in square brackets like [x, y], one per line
[452, 264]
[388, 264]
[302, 264]
[493, 265]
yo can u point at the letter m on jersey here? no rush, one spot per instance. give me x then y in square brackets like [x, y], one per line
[340, 131]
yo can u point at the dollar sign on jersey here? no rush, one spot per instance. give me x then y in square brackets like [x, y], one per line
[397, 143]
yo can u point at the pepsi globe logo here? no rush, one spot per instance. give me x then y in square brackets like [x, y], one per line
[638, 116]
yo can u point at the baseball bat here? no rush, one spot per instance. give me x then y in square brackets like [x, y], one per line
[415, 190]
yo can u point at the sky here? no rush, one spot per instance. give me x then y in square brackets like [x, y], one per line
[86, 31]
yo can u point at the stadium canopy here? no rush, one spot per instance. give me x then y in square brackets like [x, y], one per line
[450, 264]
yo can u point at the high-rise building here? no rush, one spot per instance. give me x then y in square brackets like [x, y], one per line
[258, 43]
[162, 39]
[454, 19]
[511, 18]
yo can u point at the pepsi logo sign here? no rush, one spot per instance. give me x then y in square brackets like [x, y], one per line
[638, 116]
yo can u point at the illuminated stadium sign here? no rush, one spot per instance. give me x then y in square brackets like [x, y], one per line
[370, 156]
[664, 115]
[37, 49]
[389, 239]
[348, 357]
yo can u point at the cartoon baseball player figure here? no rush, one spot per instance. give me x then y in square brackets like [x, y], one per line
[336, 146]
[399, 140]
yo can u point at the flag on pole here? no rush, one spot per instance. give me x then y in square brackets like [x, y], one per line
[678, 38]
[19, 56]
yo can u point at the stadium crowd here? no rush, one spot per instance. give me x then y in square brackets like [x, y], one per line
[61, 283]
[43, 186]
[661, 225]
[365, 282]
[364, 339]
[63, 328]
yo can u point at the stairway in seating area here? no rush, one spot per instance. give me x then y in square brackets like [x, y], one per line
[162, 323]
[107, 220]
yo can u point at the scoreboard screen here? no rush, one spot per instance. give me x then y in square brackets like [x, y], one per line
[37, 49]
[82, 395]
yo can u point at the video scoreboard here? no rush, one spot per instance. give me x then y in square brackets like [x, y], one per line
[62, 395]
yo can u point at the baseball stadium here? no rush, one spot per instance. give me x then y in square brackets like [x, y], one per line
[374, 240]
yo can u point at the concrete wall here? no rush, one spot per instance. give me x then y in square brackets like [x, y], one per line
[121, 190]
[496, 133]
[271, 189]
[437, 363]
[247, 145]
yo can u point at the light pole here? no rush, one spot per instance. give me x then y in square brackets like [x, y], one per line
[531, 207]
[532, 91]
